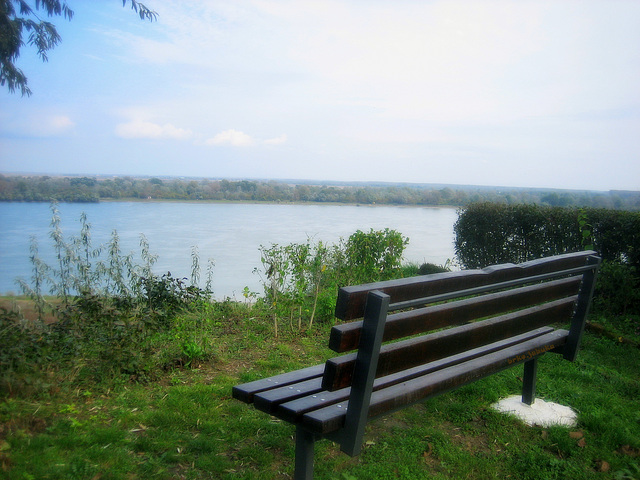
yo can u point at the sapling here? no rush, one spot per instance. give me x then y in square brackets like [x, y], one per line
[38, 276]
[195, 265]
[65, 256]
[208, 286]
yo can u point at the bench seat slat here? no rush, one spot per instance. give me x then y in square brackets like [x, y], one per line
[331, 418]
[409, 353]
[269, 400]
[293, 410]
[246, 391]
[346, 337]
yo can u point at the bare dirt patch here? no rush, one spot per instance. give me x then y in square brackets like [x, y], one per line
[26, 308]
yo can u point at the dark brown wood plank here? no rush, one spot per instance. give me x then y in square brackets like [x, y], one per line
[268, 400]
[346, 337]
[415, 351]
[331, 418]
[293, 410]
[351, 300]
[246, 391]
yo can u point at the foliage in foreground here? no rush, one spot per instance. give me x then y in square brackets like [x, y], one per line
[20, 16]
[186, 425]
[490, 233]
[109, 316]
[99, 310]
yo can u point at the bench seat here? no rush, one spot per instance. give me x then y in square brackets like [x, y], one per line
[298, 397]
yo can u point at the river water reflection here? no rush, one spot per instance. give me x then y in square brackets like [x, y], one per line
[228, 233]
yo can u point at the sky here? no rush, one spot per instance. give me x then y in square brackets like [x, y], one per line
[540, 94]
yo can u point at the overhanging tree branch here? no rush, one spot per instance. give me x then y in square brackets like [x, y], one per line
[140, 9]
[42, 34]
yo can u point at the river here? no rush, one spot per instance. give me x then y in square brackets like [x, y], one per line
[228, 233]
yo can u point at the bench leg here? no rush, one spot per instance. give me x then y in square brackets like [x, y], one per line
[304, 454]
[529, 381]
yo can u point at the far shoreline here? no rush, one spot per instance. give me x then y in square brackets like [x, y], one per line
[236, 202]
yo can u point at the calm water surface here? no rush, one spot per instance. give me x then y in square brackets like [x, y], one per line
[230, 234]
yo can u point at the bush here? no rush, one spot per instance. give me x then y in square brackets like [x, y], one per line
[617, 290]
[23, 351]
[374, 256]
[301, 280]
[491, 234]
[165, 296]
[429, 268]
[109, 312]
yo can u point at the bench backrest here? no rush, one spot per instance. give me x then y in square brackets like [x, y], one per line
[510, 299]
[467, 309]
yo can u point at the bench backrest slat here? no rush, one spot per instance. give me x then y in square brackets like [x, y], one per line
[351, 300]
[395, 357]
[346, 337]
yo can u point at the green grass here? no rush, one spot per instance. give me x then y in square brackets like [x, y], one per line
[185, 425]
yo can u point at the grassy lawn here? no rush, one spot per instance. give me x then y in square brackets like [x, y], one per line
[183, 424]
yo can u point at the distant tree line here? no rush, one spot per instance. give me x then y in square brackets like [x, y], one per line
[90, 189]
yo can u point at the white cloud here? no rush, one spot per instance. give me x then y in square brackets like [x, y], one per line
[277, 140]
[461, 61]
[231, 137]
[60, 123]
[142, 129]
[37, 125]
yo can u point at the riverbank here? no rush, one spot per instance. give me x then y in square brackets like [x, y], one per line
[271, 202]
[241, 202]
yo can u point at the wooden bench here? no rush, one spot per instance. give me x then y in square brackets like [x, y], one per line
[481, 322]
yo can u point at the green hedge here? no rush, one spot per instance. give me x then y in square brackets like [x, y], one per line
[489, 233]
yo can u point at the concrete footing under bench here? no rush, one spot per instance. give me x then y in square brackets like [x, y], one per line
[540, 413]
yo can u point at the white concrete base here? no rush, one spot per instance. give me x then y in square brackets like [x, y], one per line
[541, 413]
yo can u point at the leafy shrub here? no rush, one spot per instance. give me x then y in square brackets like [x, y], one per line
[617, 289]
[110, 310]
[107, 334]
[374, 256]
[301, 280]
[165, 296]
[429, 268]
[491, 233]
[115, 334]
[22, 353]
[296, 274]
